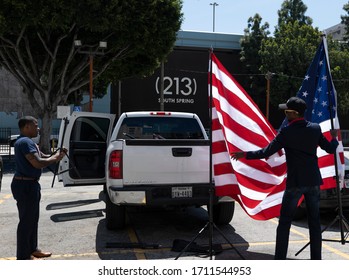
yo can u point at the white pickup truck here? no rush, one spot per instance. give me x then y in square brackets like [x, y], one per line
[146, 159]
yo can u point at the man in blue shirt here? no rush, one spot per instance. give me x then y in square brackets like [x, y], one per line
[300, 140]
[26, 188]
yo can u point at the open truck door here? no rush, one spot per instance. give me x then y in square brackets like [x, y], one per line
[86, 136]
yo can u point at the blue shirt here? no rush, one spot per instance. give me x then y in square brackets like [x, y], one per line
[23, 146]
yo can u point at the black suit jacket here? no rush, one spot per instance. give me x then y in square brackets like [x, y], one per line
[300, 140]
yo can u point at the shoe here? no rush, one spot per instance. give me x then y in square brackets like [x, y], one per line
[41, 254]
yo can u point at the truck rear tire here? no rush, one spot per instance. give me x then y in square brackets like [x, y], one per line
[115, 215]
[223, 212]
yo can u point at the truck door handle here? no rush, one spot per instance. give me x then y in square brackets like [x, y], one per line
[181, 152]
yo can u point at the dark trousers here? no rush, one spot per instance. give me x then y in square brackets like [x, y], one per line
[288, 209]
[28, 195]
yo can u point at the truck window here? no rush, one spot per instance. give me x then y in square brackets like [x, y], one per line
[90, 129]
[87, 147]
[160, 128]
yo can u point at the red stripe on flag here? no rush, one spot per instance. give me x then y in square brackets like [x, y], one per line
[329, 183]
[244, 132]
[223, 168]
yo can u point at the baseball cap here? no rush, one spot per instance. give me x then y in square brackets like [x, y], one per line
[294, 103]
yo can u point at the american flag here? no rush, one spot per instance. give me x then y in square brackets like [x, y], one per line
[238, 124]
[319, 93]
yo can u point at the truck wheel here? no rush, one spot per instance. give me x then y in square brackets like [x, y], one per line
[115, 215]
[223, 213]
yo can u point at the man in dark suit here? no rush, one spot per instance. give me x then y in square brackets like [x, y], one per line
[300, 140]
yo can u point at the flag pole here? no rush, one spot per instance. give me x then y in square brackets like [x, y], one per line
[212, 186]
[210, 210]
[210, 224]
[331, 92]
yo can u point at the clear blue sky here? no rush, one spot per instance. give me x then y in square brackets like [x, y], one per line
[231, 15]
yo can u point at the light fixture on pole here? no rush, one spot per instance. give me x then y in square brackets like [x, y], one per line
[214, 4]
[91, 52]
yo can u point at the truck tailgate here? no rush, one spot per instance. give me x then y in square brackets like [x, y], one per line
[173, 162]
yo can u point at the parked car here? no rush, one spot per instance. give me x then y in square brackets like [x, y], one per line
[329, 197]
[13, 138]
[1, 171]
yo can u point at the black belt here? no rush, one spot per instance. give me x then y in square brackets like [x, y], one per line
[25, 178]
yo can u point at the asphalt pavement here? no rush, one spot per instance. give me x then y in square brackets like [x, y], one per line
[72, 227]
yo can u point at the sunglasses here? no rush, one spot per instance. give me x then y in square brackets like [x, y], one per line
[291, 111]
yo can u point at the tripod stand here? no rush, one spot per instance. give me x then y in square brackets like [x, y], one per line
[210, 224]
[339, 218]
[55, 172]
[342, 221]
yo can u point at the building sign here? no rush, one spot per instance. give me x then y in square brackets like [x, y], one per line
[177, 89]
[77, 108]
[63, 111]
[185, 85]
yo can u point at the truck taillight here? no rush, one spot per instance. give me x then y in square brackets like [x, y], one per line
[115, 165]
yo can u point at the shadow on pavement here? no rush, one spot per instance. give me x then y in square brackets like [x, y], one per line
[158, 229]
[72, 216]
[70, 204]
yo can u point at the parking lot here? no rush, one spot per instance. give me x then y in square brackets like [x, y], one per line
[72, 227]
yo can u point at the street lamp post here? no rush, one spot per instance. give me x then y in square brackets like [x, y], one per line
[214, 4]
[91, 53]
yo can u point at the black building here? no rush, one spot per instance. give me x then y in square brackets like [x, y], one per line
[185, 77]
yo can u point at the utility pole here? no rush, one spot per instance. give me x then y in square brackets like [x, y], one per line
[91, 51]
[162, 106]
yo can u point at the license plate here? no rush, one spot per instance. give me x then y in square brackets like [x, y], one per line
[180, 192]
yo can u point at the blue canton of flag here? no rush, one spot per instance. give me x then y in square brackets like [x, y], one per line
[317, 89]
